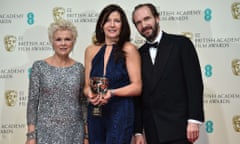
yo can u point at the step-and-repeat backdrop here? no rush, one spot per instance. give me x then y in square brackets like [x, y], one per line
[213, 26]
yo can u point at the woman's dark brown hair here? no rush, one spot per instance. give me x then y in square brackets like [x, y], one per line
[124, 32]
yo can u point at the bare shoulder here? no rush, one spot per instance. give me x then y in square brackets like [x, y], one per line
[92, 49]
[128, 47]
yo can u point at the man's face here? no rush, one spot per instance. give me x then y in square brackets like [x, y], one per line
[146, 24]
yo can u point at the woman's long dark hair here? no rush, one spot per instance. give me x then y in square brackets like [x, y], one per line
[124, 33]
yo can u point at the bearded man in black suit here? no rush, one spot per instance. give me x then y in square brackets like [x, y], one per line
[170, 109]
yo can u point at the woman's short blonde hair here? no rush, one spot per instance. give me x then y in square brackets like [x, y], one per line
[62, 24]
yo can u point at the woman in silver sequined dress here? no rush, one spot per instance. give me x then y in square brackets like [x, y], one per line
[56, 105]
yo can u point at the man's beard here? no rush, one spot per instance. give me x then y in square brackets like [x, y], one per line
[154, 33]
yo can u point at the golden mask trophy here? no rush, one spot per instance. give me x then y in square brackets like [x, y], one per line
[236, 123]
[99, 86]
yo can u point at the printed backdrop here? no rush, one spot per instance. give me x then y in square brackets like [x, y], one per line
[213, 26]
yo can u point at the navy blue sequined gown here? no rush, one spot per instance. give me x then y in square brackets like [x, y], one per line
[116, 124]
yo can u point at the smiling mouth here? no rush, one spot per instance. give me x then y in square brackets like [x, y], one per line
[112, 31]
[146, 30]
[64, 49]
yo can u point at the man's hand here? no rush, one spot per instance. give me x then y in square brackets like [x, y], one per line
[139, 139]
[192, 131]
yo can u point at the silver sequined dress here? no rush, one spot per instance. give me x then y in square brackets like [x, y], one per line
[56, 104]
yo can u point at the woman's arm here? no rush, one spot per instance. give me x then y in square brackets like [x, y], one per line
[133, 64]
[89, 54]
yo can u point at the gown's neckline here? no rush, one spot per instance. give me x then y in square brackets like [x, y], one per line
[64, 67]
[110, 55]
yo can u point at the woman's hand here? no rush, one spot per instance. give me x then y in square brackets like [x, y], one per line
[139, 139]
[106, 97]
[31, 141]
[93, 98]
[86, 141]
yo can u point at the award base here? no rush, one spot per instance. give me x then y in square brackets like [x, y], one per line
[97, 111]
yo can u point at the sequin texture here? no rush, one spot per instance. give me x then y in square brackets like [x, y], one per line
[56, 105]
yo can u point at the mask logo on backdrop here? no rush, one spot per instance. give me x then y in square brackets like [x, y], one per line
[236, 67]
[58, 13]
[236, 123]
[10, 43]
[138, 40]
[18, 43]
[11, 97]
[188, 35]
[74, 15]
[236, 10]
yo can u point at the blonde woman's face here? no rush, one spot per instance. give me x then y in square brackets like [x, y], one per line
[63, 42]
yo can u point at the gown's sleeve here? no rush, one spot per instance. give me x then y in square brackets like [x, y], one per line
[83, 99]
[33, 94]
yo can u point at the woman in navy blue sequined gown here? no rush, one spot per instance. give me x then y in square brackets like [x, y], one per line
[114, 57]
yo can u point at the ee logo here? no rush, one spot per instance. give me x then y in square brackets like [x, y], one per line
[30, 18]
[207, 14]
[208, 70]
[209, 126]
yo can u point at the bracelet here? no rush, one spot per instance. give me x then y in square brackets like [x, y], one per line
[112, 92]
[31, 135]
[86, 135]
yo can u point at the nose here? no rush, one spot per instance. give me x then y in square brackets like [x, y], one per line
[112, 23]
[63, 42]
[143, 24]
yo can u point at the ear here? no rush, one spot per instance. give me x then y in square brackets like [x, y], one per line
[157, 19]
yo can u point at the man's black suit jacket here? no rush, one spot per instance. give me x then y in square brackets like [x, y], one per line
[172, 90]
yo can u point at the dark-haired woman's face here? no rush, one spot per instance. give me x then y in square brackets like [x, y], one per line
[113, 25]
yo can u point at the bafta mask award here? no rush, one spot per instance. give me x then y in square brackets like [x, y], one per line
[99, 86]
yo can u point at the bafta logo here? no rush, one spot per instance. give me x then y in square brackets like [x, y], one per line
[188, 34]
[58, 13]
[10, 42]
[11, 97]
[138, 40]
[236, 123]
[236, 10]
[236, 67]
[94, 38]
